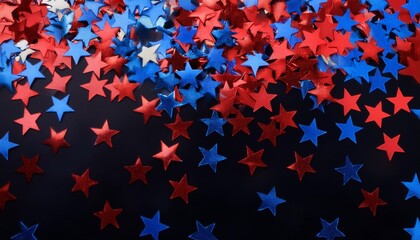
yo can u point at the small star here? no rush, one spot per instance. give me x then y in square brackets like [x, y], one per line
[414, 231]
[400, 102]
[28, 121]
[372, 200]
[270, 201]
[167, 103]
[390, 146]
[76, 51]
[148, 109]
[330, 230]
[376, 114]
[57, 141]
[32, 71]
[255, 62]
[179, 127]
[29, 167]
[211, 157]
[167, 154]
[302, 165]
[311, 132]
[203, 233]
[262, 99]
[148, 54]
[95, 87]
[95, 64]
[413, 188]
[108, 215]
[214, 124]
[6, 145]
[24, 93]
[349, 171]
[26, 233]
[104, 134]
[5, 195]
[60, 107]
[138, 171]
[83, 182]
[153, 226]
[253, 160]
[348, 130]
[181, 189]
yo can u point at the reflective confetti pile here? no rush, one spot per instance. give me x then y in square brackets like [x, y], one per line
[209, 119]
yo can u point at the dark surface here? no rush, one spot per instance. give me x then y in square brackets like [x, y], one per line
[228, 197]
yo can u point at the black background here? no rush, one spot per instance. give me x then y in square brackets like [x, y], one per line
[227, 198]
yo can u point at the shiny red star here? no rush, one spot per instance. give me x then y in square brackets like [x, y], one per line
[104, 134]
[138, 171]
[253, 160]
[179, 127]
[56, 140]
[167, 154]
[108, 215]
[5, 195]
[181, 189]
[372, 200]
[29, 167]
[302, 165]
[83, 182]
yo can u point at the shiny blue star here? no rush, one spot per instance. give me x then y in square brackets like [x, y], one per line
[60, 107]
[155, 12]
[190, 96]
[188, 75]
[348, 130]
[123, 21]
[153, 226]
[285, 29]
[413, 6]
[270, 201]
[203, 233]
[215, 59]
[186, 34]
[76, 51]
[378, 82]
[392, 65]
[345, 22]
[255, 62]
[85, 34]
[413, 188]
[32, 71]
[6, 145]
[209, 86]
[414, 231]
[214, 124]
[377, 5]
[349, 171]
[329, 230]
[211, 157]
[168, 103]
[224, 36]
[311, 132]
[26, 233]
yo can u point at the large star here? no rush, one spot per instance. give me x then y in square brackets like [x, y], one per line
[28, 121]
[302, 165]
[270, 201]
[372, 200]
[311, 132]
[108, 215]
[330, 230]
[60, 107]
[83, 182]
[414, 231]
[390, 146]
[181, 188]
[56, 140]
[413, 188]
[349, 171]
[153, 226]
[167, 154]
[214, 124]
[348, 130]
[26, 233]
[104, 134]
[211, 157]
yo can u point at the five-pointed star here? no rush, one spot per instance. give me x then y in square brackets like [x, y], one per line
[253, 159]
[148, 54]
[138, 171]
[413, 188]
[83, 182]
[167, 154]
[181, 189]
[28, 121]
[270, 201]
[5, 195]
[400, 102]
[376, 114]
[390, 146]
[24, 93]
[95, 87]
[104, 134]
[372, 200]
[179, 127]
[108, 215]
[56, 140]
[148, 109]
[302, 165]
[29, 167]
